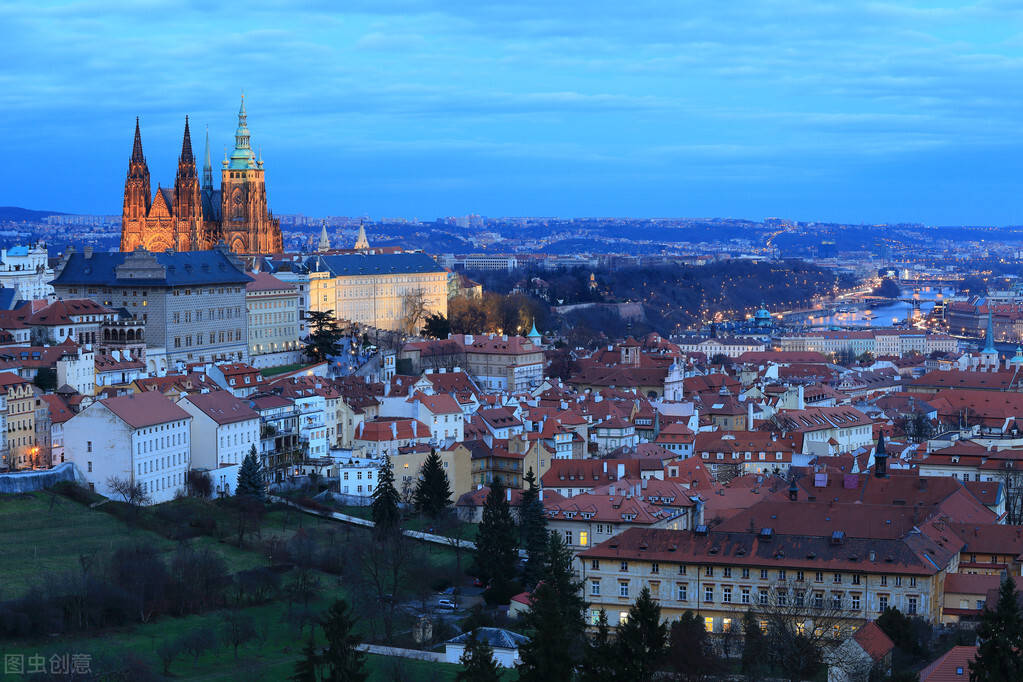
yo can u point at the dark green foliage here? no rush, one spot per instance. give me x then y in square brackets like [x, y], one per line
[307, 666]
[888, 288]
[555, 620]
[324, 335]
[690, 654]
[600, 659]
[251, 481]
[433, 490]
[1000, 637]
[386, 514]
[478, 662]
[755, 649]
[902, 630]
[46, 379]
[533, 532]
[642, 639]
[496, 551]
[436, 326]
[545, 657]
[342, 660]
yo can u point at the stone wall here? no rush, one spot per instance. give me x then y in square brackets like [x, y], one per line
[30, 481]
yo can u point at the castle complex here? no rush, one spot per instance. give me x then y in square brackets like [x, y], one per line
[194, 217]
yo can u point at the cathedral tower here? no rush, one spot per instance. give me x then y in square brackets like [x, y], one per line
[187, 201]
[246, 223]
[137, 196]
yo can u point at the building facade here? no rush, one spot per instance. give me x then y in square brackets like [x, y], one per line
[273, 321]
[27, 270]
[378, 289]
[192, 304]
[191, 216]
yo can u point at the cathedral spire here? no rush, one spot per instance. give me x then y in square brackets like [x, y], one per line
[207, 166]
[136, 151]
[186, 145]
[242, 156]
[361, 243]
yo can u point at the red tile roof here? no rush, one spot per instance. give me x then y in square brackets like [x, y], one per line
[953, 666]
[223, 407]
[150, 408]
[874, 641]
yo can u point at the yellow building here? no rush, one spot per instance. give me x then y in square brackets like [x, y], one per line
[455, 461]
[19, 395]
[387, 291]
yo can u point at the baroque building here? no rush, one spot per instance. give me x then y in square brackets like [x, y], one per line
[195, 217]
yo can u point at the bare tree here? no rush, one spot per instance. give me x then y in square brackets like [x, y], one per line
[133, 493]
[413, 311]
[388, 565]
[805, 623]
[1011, 479]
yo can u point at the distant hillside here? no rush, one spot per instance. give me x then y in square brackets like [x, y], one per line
[16, 213]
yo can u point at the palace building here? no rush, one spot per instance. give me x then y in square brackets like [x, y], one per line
[195, 217]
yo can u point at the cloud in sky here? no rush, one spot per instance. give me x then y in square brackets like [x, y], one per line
[857, 111]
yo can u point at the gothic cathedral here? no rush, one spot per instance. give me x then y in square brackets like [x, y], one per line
[194, 217]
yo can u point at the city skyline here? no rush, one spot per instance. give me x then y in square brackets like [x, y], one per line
[848, 112]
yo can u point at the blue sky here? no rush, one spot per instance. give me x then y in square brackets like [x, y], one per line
[850, 111]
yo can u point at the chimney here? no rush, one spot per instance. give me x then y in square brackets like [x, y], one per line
[415, 428]
[749, 415]
[507, 494]
[621, 470]
[88, 252]
[394, 430]
[800, 400]
[540, 493]
[605, 466]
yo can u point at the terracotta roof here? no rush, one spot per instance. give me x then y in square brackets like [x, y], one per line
[149, 408]
[60, 411]
[953, 666]
[874, 641]
[264, 281]
[61, 312]
[222, 407]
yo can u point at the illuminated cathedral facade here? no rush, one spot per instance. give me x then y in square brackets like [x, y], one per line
[192, 215]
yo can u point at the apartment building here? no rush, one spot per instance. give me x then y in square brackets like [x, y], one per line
[19, 394]
[227, 429]
[273, 310]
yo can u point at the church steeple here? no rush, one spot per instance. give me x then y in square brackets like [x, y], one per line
[361, 243]
[324, 243]
[186, 146]
[136, 151]
[242, 156]
[207, 166]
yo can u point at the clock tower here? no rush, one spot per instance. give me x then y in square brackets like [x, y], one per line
[247, 226]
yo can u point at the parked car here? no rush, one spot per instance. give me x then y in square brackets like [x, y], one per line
[446, 604]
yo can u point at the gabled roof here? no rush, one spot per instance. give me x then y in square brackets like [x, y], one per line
[874, 641]
[222, 407]
[150, 408]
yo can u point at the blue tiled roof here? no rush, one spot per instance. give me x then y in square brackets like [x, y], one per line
[379, 264]
[182, 269]
[17, 251]
[7, 298]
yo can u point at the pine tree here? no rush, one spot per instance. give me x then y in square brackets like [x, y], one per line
[496, 551]
[544, 655]
[533, 532]
[342, 659]
[306, 667]
[642, 639]
[433, 490]
[251, 482]
[386, 515]
[755, 651]
[478, 662]
[600, 660]
[1000, 651]
[324, 335]
[690, 654]
[559, 574]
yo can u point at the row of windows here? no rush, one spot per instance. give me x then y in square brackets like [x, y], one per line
[152, 465]
[211, 315]
[144, 446]
[780, 574]
[228, 336]
[208, 292]
[163, 483]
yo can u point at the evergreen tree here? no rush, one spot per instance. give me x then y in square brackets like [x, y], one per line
[544, 656]
[559, 574]
[251, 482]
[690, 655]
[342, 659]
[1000, 637]
[600, 660]
[306, 667]
[386, 515]
[496, 551]
[324, 334]
[642, 639]
[533, 532]
[755, 652]
[478, 662]
[433, 490]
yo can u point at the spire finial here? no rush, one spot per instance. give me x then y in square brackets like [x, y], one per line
[207, 166]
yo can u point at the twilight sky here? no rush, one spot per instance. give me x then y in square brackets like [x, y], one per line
[845, 110]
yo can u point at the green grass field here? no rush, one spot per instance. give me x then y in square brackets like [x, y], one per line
[281, 369]
[44, 533]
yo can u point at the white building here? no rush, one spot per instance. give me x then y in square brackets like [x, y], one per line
[27, 270]
[357, 475]
[312, 425]
[273, 309]
[224, 429]
[143, 438]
